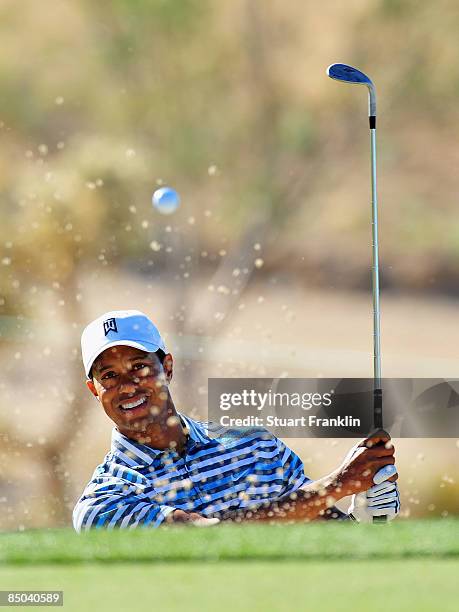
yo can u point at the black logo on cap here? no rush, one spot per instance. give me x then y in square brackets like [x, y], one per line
[110, 325]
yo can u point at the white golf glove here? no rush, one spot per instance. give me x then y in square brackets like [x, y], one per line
[382, 499]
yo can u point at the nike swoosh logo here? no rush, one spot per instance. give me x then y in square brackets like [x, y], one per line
[240, 475]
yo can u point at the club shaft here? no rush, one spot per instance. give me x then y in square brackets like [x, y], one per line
[377, 398]
[375, 266]
[375, 286]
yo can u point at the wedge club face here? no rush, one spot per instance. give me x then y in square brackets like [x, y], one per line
[349, 74]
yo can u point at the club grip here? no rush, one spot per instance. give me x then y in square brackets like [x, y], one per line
[377, 409]
[378, 423]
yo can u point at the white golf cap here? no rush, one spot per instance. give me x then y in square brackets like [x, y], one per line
[119, 327]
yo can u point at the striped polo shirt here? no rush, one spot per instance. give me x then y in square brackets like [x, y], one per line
[220, 470]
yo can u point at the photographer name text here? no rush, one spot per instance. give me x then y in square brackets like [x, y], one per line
[310, 420]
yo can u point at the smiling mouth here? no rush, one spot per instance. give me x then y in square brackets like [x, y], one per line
[134, 404]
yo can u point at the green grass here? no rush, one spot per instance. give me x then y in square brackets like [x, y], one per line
[326, 586]
[402, 566]
[402, 539]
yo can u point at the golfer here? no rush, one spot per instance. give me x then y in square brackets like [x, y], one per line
[164, 467]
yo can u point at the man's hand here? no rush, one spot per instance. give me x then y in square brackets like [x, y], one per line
[192, 518]
[381, 500]
[361, 464]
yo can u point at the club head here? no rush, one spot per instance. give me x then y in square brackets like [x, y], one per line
[348, 74]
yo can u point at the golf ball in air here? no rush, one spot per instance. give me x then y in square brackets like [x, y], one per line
[166, 200]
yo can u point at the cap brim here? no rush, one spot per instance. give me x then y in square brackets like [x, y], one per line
[148, 347]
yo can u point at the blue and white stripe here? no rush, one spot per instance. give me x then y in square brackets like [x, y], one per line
[221, 470]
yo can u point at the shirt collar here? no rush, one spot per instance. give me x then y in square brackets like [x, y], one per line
[135, 454]
[196, 429]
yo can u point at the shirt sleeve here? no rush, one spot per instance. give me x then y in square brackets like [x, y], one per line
[108, 502]
[292, 469]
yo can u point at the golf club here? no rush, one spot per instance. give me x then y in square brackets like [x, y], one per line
[348, 74]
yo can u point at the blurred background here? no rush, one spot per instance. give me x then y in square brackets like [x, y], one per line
[264, 270]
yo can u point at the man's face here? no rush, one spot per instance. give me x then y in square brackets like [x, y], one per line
[132, 387]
